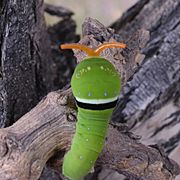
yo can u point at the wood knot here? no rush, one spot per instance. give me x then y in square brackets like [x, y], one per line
[52, 98]
[71, 116]
[11, 142]
[36, 167]
[57, 98]
[63, 100]
[3, 149]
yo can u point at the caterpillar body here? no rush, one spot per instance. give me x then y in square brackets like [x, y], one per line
[95, 86]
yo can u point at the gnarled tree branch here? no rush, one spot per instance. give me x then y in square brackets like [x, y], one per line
[26, 146]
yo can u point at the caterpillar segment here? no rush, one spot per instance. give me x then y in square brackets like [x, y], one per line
[96, 86]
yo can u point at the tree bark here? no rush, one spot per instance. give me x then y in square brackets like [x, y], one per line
[30, 56]
[64, 61]
[27, 75]
[149, 103]
[24, 57]
[32, 140]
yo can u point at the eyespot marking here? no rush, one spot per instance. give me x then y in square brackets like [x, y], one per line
[80, 157]
[105, 94]
[78, 75]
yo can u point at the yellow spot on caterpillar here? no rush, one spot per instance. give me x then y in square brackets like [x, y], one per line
[88, 68]
[102, 67]
[87, 140]
[82, 71]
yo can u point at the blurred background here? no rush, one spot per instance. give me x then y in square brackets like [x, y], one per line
[105, 11]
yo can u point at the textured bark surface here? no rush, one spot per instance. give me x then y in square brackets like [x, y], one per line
[125, 60]
[62, 32]
[149, 103]
[25, 53]
[58, 11]
[64, 61]
[26, 147]
[32, 65]
[32, 140]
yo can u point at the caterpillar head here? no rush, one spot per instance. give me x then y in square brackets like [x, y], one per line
[95, 80]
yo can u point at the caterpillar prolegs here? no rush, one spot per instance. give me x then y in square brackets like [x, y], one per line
[95, 86]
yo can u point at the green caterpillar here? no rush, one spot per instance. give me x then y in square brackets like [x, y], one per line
[95, 86]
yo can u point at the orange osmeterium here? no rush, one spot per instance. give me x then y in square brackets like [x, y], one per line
[93, 52]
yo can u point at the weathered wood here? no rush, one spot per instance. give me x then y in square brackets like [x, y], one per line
[150, 101]
[125, 60]
[135, 161]
[58, 11]
[27, 145]
[31, 63]
[64, 61]
[24, 55]
[32, 140]
[24, 147]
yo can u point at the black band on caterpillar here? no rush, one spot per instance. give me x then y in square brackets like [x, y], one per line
[97, 106]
